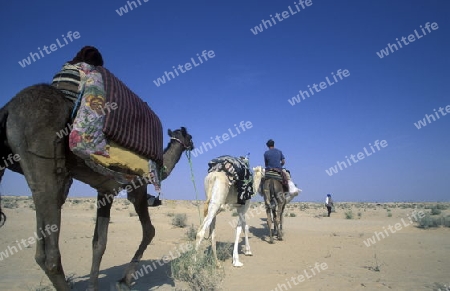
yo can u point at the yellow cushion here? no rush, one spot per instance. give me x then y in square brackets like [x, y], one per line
[122, 158]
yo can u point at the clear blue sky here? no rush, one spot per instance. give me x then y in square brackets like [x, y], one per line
[252, 76]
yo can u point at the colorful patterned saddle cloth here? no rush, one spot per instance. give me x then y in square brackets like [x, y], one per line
[89, 141]
[238, 173]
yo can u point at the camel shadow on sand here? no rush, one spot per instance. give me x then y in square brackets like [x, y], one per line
[150, 273]
[260, 231]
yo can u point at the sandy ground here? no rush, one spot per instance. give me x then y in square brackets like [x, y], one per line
[318, 253]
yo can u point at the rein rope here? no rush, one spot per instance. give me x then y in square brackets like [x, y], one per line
[188, 156]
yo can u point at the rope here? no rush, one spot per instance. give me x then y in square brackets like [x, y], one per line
[78, 101]
[188, 155]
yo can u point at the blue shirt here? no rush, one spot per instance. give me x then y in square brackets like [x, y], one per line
[272, 158]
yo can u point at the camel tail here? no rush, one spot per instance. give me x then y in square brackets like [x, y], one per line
[3, 153]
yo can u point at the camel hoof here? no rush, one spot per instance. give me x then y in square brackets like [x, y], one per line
[238, 264]
[248, 253]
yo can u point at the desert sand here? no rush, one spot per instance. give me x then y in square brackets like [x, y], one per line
[317, 253]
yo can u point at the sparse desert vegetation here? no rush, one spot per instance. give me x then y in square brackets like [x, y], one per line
[336, 240]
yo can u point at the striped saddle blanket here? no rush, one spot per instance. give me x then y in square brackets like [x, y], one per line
[133, 124]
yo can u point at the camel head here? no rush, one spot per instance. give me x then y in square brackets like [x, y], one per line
[180, 141]
[183, 137]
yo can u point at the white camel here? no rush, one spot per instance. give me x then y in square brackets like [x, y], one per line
[220, 193]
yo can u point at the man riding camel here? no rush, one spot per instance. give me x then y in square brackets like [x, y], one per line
[274, 161]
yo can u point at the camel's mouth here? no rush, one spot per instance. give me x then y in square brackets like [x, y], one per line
[190, 147]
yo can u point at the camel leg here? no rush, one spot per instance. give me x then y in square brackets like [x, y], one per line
[43, 164]
[216, 192]
[104, 203]
[139, 199]
[248, 251]
[268, 204]
[236, 262]
[213, 209]
[278, 220]
[281, 205]
[205, 213]
[241, 223]
[48, 256]
[212, 233]
[275, 221]
[49, 193]
[269, 222]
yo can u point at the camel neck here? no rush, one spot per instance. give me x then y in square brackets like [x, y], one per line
[172, 155]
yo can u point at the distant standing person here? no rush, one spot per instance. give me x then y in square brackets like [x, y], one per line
[329, 203]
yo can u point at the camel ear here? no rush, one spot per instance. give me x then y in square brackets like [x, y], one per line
[183, 131]
[169, 132]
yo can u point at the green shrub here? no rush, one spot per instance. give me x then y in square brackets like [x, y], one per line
[224, 251]
[435, 211]
[442, 206]
[349, 215]
[10, 204]
[191, 233]
[198, 270]
[446, 221]
[179, 220]
[429, 221]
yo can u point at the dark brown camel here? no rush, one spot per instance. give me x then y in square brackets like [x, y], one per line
[28, 127]
[275, 202]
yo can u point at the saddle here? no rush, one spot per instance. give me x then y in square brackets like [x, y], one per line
[114, 131]
[238, 173]
[279, 175]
